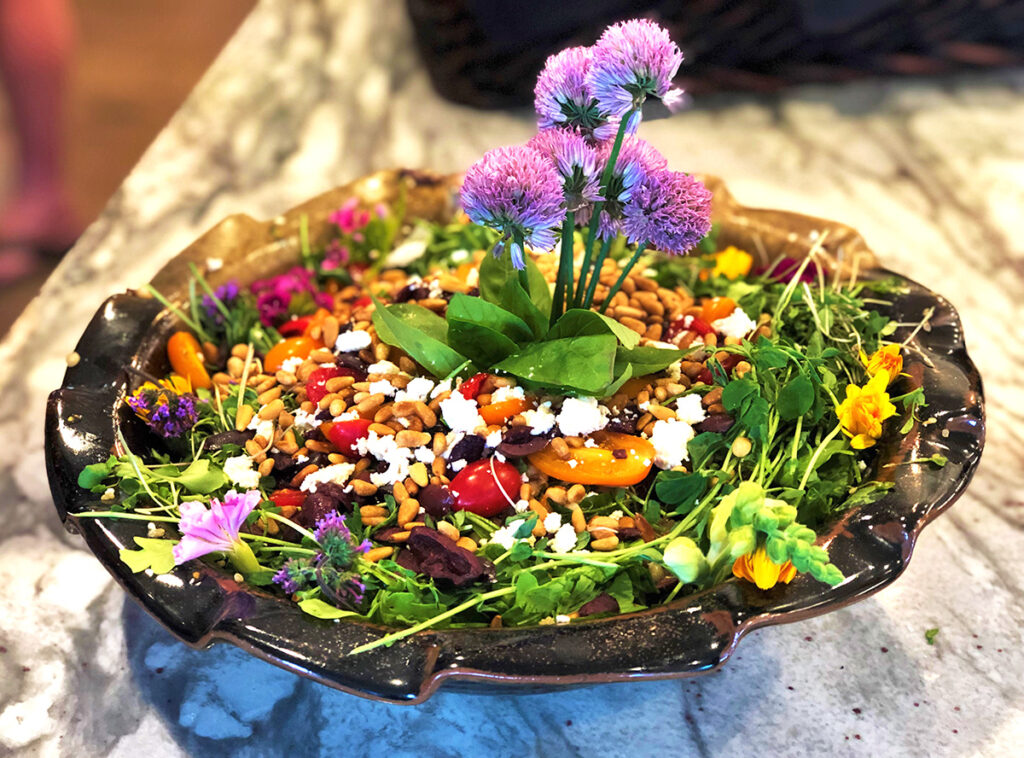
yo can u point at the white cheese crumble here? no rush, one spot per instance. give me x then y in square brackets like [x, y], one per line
[351, 341]
[505, 536]
[418, 389]
[541, 420]
[493, 439]
[386, 449]
[460, 464]
[736, 324]
[305, 420]
[521, 506]
[383, 387]
[552, 522]
[582, 415]
[264, 427]
[337, 473]
[445, 386]
[381, 368]
[240, 471]
[690, 410]
[460, 413]
[564, 540]
[291, 364]
[675, 370]
[502, 394]
[669, 439]
[424, 455]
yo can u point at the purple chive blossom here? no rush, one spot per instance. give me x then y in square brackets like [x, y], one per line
[517, 191]
[331, 569]
[634, 60]
[205, 531]
[576, 161]
[166, 412]
[636, 161]
[562, 97]
[669, 210]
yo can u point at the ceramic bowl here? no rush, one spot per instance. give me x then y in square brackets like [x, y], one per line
[200, 604]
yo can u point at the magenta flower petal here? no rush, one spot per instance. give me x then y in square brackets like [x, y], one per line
[576, 161]
[216, 529]
[633, 60]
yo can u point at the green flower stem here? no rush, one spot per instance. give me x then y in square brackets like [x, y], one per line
[197, 277]
[817, 454]
[128, 516]
[606, 177]
[389, 639]
[622, 277]
[560, 558]
[595, 274]
[301, 530]
[191, 324]
[563, 284]
[243, 559]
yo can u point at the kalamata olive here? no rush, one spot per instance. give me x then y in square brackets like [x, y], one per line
[719, 423]
[520, 441]
[603, 603]
[329, 497]
[486, 487]
[470, 448]
[414, 291]
[230, 437]
[437, 500]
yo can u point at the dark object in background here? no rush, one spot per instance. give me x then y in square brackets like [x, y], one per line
[488, 54]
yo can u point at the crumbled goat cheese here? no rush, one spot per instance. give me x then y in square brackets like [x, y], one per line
[736, 324]
[382, 368]
[291, 364]
[690, 410]
[521, 506]
[305, 420]
[386, 449]
[541, 420]
[459, 465]
[337, 473]
[505, 536]
[351, 341]
[669, 439]
[552, 522]
[589, 442]
[582, 415]
[502, 394]
[383, 387]
[240, 471]
[348, 415]
[445, 386]
[675, 370]
[564, 540]
[424, 455]
[418, 389]
[493, 439]
[460, 413]
[264, 427]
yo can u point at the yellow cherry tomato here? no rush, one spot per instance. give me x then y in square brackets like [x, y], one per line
[186, 357]
[715, 308]
[293, 347]
[499, 413]
[619, 460]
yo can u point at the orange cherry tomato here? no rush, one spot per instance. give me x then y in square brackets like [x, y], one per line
[293, 347]
[717, 307]
[499, 413]
[186, 358]
[317, 319]
[599, 465]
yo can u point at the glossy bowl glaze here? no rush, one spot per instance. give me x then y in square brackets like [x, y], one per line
[200, 604]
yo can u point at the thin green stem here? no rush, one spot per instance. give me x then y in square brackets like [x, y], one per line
[193, 325]
[817, 454]
[563, 283]
[388, 639]
[588, 248]
[622, 277]
[595, 274]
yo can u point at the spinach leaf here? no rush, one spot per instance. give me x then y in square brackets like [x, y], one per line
[578, 322]
[481, 344]
[499, 284]
[476, 310]
[416, 330]
[573, 364]
[646, 360]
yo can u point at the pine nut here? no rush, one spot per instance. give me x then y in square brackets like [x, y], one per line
[239, 350]
[287, 443]
[418, 472]
[383, 430]
[378, 554]
[322, 355]
[338, 383]
[408, 510]
[662, 413]
[576, 493]
[409, 438]
[448, 530]
[467, 544]
[605, 543]
[300, 477]
[372, 511]
[579, 521]
[271, 410]
[364, 488]
[245, 414]
[560, 448]
[427, 416]
[374, 520]
[266, 467]
[399, 536]
[329, 330]
[556, 495]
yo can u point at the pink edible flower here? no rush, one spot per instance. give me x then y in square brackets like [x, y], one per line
[205, 531]
[348, 219]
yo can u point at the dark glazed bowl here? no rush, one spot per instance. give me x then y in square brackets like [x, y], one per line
[200, 604]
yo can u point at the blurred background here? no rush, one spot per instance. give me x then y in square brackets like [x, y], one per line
[85, 85]
[119, 70]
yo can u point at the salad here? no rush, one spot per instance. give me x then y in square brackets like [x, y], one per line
[540, 412]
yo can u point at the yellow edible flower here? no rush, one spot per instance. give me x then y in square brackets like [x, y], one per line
[758, 568]
[886, 358]
[730, 263]
[864, 410]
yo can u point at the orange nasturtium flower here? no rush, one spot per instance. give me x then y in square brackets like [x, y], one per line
[886, 358]
[730, 263]
[758, 568]
[864, 410]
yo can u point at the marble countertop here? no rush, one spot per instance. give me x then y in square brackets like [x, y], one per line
[310, 94]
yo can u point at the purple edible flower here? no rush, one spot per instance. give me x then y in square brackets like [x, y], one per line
[226, 293]
[784, 269]
[348, 219]
[216, 529]
[296, 574]
[274, 295]
[637, 160]
[168, 413]
[562, 97]
[517, 191]
[634, 60]
[576, 161]
[669, 210]
[336, 256]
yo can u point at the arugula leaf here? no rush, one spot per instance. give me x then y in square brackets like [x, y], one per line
[680, 489]
[94, 474]
[578, 322]
[410, 328]
[155, 554]
[200, 478]
[316, 607]
[574, 364]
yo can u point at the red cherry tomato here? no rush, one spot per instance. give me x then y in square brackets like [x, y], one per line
[362, 302]
[296, 327]
[286, 498]
[680, 325]
[345, 434]
[486, 487]
[316, 385]
[471, 387]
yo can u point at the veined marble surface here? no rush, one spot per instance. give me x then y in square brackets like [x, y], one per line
[310, 94]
